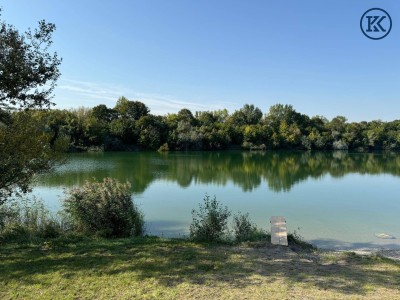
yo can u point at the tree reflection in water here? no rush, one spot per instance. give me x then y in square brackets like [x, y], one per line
[280, 170]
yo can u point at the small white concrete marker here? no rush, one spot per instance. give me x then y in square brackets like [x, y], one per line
[278, 231]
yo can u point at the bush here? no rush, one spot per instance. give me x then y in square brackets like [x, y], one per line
[27, 220]
[340, 145]
[210, 221]
[163, 148]
[245, 230]
[296, 241]
[104, 208]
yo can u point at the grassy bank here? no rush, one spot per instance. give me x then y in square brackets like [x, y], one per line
[155, 268]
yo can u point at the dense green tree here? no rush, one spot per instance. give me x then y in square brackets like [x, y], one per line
[79, 123]
[214, 138]
[95, 131]
[375, 134]
[125, 130]
[255, 134]
[290, 135]
[247, 115]
[319, 123]
[25, 151]
[131, 109]
[172, 121]
[221, 115]
[355, 135]
[28, 74]
[183, 132]
[337, 126]
[235, 132]
[152, 131]
[185, 135]
[186, 115]
[103, 113]
[251, 115]
[206, 118]
[212, 132]
[279, 113]
[28, 71]
[55, 123]
[317, 140]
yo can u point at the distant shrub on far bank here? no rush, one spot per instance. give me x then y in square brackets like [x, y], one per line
[104, 208]
[164, 148]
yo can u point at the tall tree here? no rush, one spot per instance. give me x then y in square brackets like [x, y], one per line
[28, 72]
[103, 113]
[131, 109]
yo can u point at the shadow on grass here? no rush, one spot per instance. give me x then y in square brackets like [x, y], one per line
[171, 262]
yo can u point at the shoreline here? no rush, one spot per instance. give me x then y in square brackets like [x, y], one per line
[386, 253]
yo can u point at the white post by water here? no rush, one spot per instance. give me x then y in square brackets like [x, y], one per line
[278, 231]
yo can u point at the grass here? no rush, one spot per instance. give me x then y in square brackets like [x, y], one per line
[156, 268]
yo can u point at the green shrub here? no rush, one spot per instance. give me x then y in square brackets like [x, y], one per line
[27, 220]
[164, 148]
[210, 221]
[104, 208]
[296, 241]
[245, 230]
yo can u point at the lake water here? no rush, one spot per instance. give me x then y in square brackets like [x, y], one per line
[333, 199]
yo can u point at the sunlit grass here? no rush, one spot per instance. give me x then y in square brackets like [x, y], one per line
[155, 268]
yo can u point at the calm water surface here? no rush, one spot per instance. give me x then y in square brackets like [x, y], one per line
[333, 199]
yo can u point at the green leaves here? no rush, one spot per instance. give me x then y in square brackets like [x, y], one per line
[210, 222]
[104, 208]
[28, 75]
[25, 151]
[131, 109]
[28, 72]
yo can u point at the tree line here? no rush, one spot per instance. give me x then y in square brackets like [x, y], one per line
[129, 125]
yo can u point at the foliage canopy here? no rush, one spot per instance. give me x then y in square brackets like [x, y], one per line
[28, 72]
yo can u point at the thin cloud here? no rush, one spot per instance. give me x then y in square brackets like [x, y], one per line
[91, 92]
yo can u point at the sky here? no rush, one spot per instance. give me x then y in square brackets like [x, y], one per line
[208, 55]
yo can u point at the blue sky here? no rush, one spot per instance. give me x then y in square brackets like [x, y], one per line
[206, 55]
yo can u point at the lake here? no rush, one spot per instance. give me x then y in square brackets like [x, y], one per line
[333, 199]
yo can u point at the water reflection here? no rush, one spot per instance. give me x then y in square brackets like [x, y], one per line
[248, 170]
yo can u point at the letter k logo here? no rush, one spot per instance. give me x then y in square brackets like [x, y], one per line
[372, 23]
[376, 23]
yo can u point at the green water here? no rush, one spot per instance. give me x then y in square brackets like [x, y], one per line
[337, 199]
